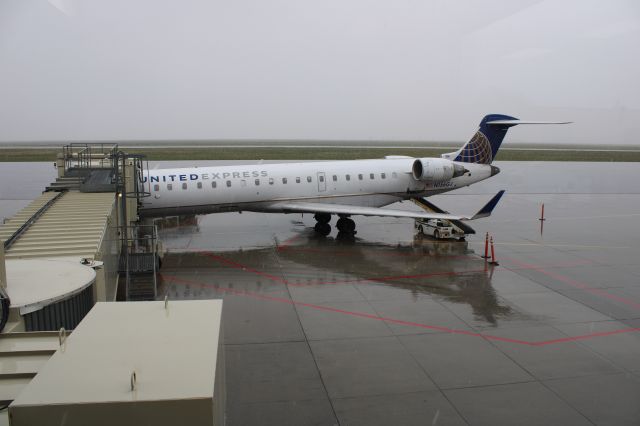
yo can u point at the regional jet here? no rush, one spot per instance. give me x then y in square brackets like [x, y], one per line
[342, 188]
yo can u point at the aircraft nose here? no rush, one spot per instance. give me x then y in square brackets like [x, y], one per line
[494, 170]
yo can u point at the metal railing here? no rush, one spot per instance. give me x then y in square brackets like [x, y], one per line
[5, 304]
[90, 156]
[138, 161]
[18, 232]
[139, 257]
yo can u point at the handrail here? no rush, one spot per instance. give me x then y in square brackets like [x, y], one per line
[82, 155]
[14, 237]
[5, 304]
[137, 244]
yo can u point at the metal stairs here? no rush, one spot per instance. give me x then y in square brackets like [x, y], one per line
[139, 262]
[22, 355]
[66, 184]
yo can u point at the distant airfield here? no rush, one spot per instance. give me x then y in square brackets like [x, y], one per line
[323, 150]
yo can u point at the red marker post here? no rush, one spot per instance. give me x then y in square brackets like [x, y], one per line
[542, 213]
[486, 247]
[493, 255]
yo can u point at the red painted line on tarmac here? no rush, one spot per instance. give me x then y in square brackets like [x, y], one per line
[399, 277]
[245, 268]
[586, 336]
[177, 280]
[345, 312]
[237, 265]
[375, 253]
[577, 284]
[286, 243]
[242, 267]
[552, 265]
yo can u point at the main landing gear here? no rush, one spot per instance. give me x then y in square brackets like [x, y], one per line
[322, 226]
[344, 225]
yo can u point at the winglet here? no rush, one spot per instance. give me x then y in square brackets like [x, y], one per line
[488, 208]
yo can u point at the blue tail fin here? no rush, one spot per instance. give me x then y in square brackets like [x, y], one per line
[484, 145]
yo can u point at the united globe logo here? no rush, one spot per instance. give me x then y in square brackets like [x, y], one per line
[477, 150]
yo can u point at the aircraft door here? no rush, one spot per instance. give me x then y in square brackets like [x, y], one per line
[322, 182]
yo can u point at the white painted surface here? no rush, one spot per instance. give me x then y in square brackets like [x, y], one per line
[35, 283]
[174, 353]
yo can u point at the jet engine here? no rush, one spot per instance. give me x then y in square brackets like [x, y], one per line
[436, 169]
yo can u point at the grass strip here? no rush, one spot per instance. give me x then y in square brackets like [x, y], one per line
[289, 153]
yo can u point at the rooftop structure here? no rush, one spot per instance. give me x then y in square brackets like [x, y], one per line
[130, 364]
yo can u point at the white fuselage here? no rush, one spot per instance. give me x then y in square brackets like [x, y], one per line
[367, 183]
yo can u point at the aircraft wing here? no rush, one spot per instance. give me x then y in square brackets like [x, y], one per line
[312, 207]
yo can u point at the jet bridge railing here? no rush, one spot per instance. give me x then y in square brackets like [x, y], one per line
[5, 304]
[27, 224]
[139, 261]
[130, 185]
[89, 156]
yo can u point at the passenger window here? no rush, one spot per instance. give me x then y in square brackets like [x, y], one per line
[335, 178]
[284, 180]
[270, 181]
[257, 182]
[156, 187]
[229, 183]
[243, 183]
[383, 176]
[360, 177]
[169, 186]
[321, 178]
[199, 185]
[214, 184]
[297, 180]
[348, 177]
[394, 175]
[184, 185]
[308, 178]
[371, 176]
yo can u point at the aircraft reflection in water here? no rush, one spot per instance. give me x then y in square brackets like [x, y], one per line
[445, 270]
[455, 277]
[185, 224]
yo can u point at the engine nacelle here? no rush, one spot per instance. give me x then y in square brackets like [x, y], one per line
[436, 169]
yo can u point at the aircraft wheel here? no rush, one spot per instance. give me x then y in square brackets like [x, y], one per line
[350, 225]
[322, 228]
[322, 217]
[346, 225]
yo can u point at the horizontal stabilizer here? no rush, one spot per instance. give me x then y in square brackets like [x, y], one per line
[515, 122]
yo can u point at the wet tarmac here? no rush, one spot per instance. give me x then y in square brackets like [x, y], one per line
[393, 328]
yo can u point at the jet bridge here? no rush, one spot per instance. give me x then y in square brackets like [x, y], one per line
[88, 215]
[104, 168]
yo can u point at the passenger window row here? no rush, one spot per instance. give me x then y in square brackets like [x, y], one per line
[214, 183]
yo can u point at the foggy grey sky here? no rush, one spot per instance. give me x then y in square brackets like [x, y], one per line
[331, 69]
